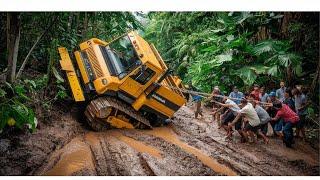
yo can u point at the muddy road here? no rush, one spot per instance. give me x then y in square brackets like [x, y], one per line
[186, 147]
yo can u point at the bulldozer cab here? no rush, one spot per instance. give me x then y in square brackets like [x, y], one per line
[128, 69]
[121, 56]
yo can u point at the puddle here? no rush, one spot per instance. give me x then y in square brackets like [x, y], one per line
[137, 145]
[169, 136]
[75, 157]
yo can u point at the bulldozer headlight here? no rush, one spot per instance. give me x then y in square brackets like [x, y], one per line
[104, 81]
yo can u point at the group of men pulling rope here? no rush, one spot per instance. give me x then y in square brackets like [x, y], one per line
[250, 114]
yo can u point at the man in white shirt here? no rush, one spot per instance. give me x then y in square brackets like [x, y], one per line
[229, 114]
[250, 117]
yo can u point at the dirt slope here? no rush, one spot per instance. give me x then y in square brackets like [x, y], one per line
[186, 147]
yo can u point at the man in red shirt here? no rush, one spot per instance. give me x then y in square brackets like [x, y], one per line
[256, 92]
[290, 119]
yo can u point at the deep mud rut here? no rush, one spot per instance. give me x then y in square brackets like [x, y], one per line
[186, 147]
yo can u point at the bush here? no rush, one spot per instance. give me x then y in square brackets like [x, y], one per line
[13, 111]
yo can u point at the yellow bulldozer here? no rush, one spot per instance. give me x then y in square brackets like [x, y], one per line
[124, 83]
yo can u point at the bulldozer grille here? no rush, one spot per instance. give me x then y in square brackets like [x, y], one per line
[94, 62]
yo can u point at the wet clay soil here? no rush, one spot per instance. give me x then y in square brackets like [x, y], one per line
[188, 146]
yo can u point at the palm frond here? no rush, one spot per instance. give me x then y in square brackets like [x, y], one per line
[247, 75]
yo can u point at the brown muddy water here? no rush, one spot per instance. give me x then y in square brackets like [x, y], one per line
[75, 157]
[137, 145]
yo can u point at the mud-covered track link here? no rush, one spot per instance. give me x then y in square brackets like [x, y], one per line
[96, 113]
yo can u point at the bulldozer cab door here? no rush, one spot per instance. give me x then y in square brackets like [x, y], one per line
[132, 87]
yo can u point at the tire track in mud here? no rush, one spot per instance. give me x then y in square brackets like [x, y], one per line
[167, 134]
[187, 147]
[137, 145]
[113, 157]
[175, 160]
[73, 158]
[146, 165]
[136, 157]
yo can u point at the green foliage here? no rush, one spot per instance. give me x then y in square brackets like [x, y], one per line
[61, 90]
[65, 29]
[14, 108]
[19, 101]
[223, 49]
[2, 93]
[310, 113]
[19, 112]
[247, 74]
[62, 93]
[57, 75]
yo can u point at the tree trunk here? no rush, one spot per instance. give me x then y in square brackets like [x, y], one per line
[263, 34]
[289, 76]
[77, 22]
[33, 47]
[95, 25]
[85, 25]
[288, 18]
[70, 22]
[50, 65]
[315, 82]
[13, 38]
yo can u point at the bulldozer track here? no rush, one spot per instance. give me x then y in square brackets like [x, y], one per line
[100, 103]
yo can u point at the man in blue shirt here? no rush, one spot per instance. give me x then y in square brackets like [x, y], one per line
[198, 111]
[288, 100]
[280, 92]
[301, 104]
[236, 94]
[197, 99]
[263, 95]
